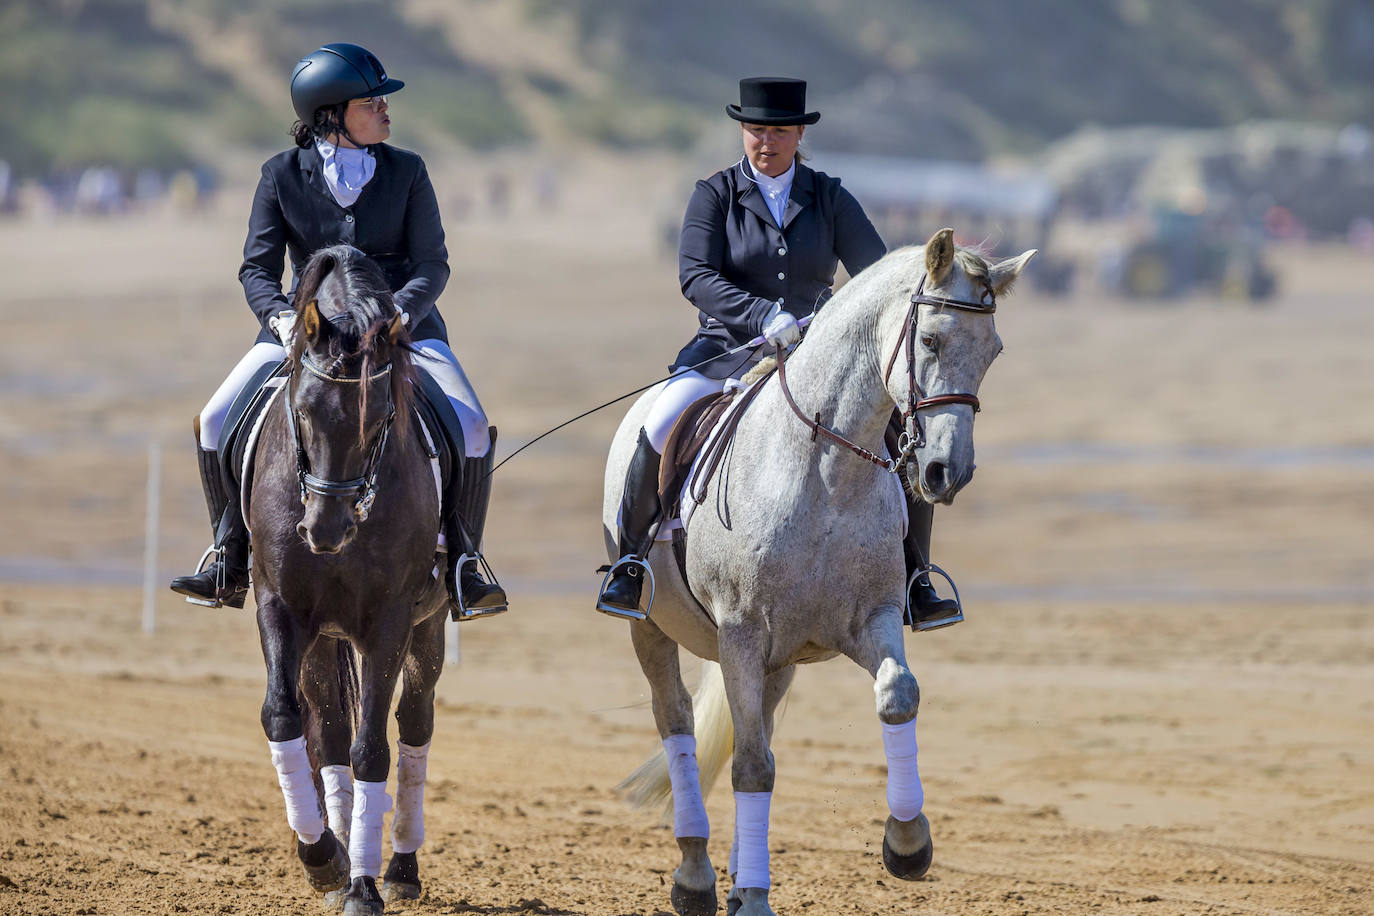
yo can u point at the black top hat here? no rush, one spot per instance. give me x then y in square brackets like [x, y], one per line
[773, 100]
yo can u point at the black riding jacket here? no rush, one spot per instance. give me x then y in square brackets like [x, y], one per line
[395, 221]
[735, 261]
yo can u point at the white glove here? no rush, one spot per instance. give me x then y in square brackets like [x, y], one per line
[282, 324]
[780, 328]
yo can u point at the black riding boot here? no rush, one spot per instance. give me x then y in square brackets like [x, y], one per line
[225, 581]
[639, 511]
[479, 597]
[925, 609]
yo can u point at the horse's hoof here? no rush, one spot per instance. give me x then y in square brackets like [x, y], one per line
[362, 898]
[688, 902]
[733, 901]
[334, 900]
[910, 867]
[402, 878]
[325, 862]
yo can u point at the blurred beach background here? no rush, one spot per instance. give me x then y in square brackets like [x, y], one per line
[1162, 700]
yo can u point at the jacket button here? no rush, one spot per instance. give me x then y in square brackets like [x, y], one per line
[782, 251]
[782, 276]
[348, 217]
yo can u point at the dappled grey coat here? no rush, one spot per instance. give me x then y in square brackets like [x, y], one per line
[395, 221]
[735, 261]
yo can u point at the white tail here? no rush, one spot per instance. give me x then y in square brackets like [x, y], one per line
[649, 786]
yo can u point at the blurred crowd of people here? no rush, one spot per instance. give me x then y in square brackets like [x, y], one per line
[105, 190]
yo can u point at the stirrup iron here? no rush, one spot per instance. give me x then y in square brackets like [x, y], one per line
[212, 554]
[646, 571]
[464, 612]
[921, 626]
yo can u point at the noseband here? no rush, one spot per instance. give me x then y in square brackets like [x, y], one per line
[364, 487]
[916, 396]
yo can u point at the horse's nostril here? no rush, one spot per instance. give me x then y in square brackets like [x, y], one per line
[935, 476]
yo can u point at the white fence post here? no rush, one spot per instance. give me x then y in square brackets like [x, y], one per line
[451, 649]
[150, 536]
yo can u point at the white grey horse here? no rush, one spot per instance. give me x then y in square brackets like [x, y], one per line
[795, 554]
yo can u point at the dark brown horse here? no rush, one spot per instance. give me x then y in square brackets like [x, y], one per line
[344, 519]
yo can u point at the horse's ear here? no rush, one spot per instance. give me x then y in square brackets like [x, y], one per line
[939, 256]
[396, 329]
[1004, 273]
[310, 319]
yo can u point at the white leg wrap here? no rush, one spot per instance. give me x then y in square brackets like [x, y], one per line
[689, 811]
[298, 788]
[751, 838]
[370, 805]
[408, 823]
[904, 793]
[338, 799]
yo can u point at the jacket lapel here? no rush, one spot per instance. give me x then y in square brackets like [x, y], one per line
[803, 191]
[309, 159]
[750, 197]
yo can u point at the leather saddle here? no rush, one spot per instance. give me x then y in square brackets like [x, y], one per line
[693, 436]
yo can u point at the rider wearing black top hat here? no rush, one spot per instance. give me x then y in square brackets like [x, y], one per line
[343, 184]
[759, 246]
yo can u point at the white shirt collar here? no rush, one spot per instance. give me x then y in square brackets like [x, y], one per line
[775, 191]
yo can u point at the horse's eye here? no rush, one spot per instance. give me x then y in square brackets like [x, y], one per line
[928, 342]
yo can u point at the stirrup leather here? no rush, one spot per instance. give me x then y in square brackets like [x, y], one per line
[646, 571]
[464, 612]
[921, 626]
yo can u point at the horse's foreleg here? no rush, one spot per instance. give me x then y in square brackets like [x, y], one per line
[281, 717]
[415, 720]
[694, 880]
[907, 846]
[320, 853]
[742, 661]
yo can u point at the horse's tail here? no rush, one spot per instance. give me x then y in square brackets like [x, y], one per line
[649, 785]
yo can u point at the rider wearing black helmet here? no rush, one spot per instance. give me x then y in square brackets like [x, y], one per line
[343, 184]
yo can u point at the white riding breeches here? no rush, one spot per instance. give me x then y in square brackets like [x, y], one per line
[212, 416]
[434, 357]
[677, 395]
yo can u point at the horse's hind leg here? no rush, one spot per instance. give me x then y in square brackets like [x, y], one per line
[328, 680]
[415, 719]
[907, 846]
[694, 880]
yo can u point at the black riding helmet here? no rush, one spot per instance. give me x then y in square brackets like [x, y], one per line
[334, 74]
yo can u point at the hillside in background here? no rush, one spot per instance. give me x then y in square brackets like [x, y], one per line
[165, 83]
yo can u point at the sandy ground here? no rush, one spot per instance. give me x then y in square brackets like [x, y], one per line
[1162, 702]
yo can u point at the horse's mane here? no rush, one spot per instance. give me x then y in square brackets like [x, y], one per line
[350, 294]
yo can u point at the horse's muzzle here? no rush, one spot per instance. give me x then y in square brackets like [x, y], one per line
[322, 540]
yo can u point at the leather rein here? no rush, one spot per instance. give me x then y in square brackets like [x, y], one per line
[364, 487]
[916, 398]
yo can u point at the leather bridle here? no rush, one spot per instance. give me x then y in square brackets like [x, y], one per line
[917, 399]
[365, 486]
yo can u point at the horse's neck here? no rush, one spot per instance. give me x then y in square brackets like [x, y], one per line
[836, 373]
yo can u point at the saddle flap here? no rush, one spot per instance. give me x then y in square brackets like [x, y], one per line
[685, 442]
